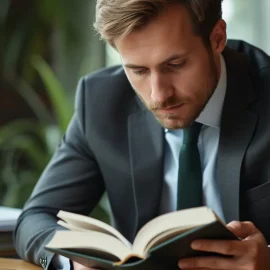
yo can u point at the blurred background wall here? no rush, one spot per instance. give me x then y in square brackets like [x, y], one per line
[46, 46]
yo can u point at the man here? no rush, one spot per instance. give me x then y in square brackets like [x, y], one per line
[129, 125]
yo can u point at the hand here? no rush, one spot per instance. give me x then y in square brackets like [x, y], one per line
[252, 253]
[77, 266]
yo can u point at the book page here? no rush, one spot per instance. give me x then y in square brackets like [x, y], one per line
[163, 237]
[90, 243]
[179, 220]
[81, 222]
[70, 226]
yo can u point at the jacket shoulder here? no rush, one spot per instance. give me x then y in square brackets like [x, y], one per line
[104, 92]
[257, 57]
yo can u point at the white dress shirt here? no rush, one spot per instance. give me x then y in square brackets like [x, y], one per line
[208, 148]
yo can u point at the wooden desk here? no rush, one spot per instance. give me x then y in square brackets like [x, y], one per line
[13, 264]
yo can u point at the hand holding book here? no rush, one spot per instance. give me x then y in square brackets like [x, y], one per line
[158, 245]
[250, 253]
[240, 252]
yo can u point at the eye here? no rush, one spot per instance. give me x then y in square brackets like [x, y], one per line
[176, 65]
[140, 72]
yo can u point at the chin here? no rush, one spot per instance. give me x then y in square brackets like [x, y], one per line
[172, 123]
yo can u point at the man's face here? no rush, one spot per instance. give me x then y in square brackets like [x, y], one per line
[170, 68]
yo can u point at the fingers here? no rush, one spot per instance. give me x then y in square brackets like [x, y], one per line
[242, 229]
[246, 254]
[224, 247]
[207, 263]
[77, 266]
[197, 268]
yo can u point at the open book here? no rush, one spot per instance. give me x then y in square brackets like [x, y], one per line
[162, 241]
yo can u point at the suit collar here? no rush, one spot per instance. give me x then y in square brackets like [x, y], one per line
[211, 115]
[146, 140]
[237, 127]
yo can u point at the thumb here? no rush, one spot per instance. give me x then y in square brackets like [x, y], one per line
[243, 229]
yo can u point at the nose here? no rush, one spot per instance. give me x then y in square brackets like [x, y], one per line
[161, 88]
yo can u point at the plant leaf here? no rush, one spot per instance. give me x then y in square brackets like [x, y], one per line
[61, 105]
[18, 127]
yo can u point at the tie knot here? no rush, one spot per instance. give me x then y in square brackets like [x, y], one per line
[191, 133]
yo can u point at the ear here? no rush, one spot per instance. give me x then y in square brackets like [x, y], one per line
[218, 37]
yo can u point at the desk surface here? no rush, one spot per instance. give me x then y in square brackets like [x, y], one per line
[13, 264]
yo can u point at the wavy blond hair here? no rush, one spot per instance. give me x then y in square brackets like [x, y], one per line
[118, 18]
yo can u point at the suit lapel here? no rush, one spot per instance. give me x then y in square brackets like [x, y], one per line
[146, 158]
[237, 127]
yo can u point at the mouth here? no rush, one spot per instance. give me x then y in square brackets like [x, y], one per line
[172, 109]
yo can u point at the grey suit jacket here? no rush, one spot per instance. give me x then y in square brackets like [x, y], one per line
[113, 143]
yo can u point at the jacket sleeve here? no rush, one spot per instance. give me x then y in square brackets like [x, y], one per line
[71, 181]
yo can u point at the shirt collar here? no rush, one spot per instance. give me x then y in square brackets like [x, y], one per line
[211, 115]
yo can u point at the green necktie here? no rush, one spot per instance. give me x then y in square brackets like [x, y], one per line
[190, 173]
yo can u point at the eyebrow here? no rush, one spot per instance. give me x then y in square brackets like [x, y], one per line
[171, 58]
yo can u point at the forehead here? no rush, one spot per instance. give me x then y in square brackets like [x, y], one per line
[170, 32]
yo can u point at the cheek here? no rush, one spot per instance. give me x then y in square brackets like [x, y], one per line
[193, 83]
[186, 85]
